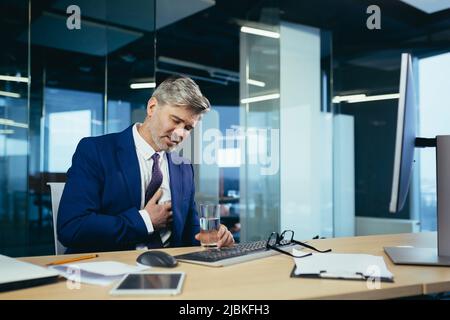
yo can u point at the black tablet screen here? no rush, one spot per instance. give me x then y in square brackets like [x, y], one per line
[150, 281]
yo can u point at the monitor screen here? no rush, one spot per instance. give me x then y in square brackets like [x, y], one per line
[405, 136]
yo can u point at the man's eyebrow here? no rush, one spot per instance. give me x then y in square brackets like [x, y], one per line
[179, 119]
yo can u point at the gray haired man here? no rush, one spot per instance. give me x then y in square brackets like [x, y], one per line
[123, 190]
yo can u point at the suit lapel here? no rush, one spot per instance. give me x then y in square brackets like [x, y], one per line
[129, 164]
[176, 190]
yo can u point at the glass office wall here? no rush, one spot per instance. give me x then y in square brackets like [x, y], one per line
[97, 78]
[233, 144]
[434, 117]
[201, 40]
[305, 133]
[233, 67]
[14, 126]
[130, 65]
[371, 126]
[374, 125]
[260, 130]
[83, 58]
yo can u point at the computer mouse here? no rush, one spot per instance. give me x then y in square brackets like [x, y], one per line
[156, 258]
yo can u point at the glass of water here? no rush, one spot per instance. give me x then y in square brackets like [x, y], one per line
[209, 224]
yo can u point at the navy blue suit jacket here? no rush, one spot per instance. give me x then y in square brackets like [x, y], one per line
[99, 208]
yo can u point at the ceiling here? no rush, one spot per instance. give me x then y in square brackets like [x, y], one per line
[117, 23]
[429, 6]
[206, 32]
[402, 27]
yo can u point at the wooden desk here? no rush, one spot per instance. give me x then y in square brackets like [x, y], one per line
[268, 278]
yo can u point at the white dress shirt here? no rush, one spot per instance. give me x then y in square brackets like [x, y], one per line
[144, 154]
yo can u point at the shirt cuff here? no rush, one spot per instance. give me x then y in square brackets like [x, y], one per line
[148, 222]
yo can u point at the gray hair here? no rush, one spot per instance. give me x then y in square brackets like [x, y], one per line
[182, 91]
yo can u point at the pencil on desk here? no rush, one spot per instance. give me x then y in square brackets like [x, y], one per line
[89, 256]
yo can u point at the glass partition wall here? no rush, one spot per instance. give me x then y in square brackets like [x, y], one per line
[286, 176]
[14, 125]
[260, 129]
[264, 151]
[84, 59]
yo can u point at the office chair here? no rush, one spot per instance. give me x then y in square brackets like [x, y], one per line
[56, 190]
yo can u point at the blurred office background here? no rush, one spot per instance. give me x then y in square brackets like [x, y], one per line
[277, 72]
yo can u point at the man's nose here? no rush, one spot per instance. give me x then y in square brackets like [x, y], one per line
[179, 134]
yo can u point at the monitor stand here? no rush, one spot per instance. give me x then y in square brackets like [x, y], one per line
[439, 256]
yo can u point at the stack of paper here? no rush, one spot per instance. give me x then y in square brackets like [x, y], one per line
[102, 273]
[341, 265]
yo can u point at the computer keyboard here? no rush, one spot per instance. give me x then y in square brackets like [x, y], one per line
[227, 256]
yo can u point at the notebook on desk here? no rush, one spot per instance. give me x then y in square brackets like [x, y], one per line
[16, 274]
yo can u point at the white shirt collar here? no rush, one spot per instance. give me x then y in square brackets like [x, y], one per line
[142, 146]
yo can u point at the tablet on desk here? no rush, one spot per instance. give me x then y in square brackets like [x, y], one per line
[150, 283]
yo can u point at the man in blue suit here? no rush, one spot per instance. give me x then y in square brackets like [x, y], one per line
[126, 190]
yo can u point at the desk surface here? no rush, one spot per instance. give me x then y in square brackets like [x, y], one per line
[268, 278]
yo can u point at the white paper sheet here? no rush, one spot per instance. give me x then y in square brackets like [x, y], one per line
[341, 265]
[101, 273]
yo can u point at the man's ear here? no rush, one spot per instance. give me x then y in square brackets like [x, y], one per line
[151, 105]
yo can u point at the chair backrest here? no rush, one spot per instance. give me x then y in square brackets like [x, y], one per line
[56, 190]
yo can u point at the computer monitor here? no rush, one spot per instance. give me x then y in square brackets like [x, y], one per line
[405, 137]
[405, 143]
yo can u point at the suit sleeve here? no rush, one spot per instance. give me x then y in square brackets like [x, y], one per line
[192, 226]
[80, 223]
